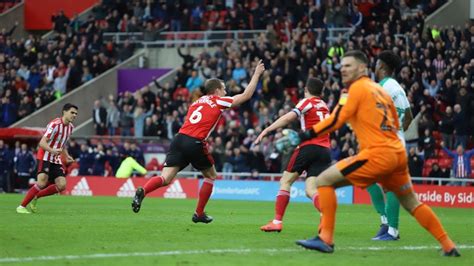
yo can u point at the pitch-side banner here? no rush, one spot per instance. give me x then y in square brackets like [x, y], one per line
[110, 186]
[267, 191]
[441, 196]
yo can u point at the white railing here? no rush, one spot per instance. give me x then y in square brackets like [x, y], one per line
[205, 38]
[274, 176]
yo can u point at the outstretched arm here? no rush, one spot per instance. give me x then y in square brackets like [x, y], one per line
[450, 153]
[248, 92]
[279, 123]
[407, 119]
[346, 108]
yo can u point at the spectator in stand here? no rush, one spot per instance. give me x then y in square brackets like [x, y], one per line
[24, 166]
[6, 162]
[428, 144]
[461, 163]
[99, 116]
[98, 168]
[113, 159]
[137, 153]
[172, 124]
[151, 128]
[256, 160]
[86, 160]
[8, 112]
[74, 149]
[126, 120]
[335, 151]
[194, 81]
[415, 164]
[437, 172]
[113, 117]
[60, 22]
[239, 162]
[139, 120]
[446, 127]
[460, 127]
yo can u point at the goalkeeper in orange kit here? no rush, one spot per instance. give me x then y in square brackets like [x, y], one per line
[381, 159]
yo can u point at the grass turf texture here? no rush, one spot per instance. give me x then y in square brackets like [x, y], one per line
[164, 234]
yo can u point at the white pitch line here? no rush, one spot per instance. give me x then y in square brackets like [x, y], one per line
[212, 251]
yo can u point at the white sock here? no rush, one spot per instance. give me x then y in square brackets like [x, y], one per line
[383, 219]
[276, 222]
[393, 231]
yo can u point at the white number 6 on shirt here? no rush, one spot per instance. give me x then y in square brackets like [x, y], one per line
[196, 116]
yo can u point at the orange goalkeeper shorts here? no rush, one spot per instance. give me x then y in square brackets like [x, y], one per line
[378, 165]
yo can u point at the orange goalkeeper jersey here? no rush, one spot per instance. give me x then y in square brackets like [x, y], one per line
[370, 112]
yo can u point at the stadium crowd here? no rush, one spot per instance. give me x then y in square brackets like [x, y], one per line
[437, 74]
[36, 71]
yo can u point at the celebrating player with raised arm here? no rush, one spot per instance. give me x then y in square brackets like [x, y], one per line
[51, 146]
[189, 145]
[312, 156]
[382, 158]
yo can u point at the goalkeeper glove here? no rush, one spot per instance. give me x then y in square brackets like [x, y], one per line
[306, 135]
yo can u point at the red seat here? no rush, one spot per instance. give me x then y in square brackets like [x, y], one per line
[445, 163]
[437, 135]
[430, 162]
[426, 171]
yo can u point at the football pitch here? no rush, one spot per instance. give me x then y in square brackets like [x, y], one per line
[104, 231]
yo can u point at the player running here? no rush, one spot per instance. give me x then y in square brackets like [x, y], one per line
[189, 145]
[388, 207]
[312, 156]
[382, 157]
[50, 168]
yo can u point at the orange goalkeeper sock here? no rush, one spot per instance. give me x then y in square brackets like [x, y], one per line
[428, 219]
[328, 203]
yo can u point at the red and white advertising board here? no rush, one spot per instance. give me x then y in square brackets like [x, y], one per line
[440, 196]
[111, 186]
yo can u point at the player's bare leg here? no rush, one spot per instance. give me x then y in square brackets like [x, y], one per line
[326, 183]
[58, 186]
[312, 194]
[167, 176]
[282, 200]
[428, 219]
[205, 192]
[41, 182]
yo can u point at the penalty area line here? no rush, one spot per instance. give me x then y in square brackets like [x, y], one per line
[208, 251]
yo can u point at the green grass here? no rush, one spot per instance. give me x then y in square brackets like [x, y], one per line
[106, 225]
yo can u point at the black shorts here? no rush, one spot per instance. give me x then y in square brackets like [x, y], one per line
[53, 170]
[186, 150]
[310, 158]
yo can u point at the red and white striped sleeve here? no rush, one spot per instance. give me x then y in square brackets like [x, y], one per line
[224, 102]
[302, 107]
[51, 130]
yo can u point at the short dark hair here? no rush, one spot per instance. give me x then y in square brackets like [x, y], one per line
[212, 85]
[390, 60]
[358, 55]
[315, 86]
[69, 106]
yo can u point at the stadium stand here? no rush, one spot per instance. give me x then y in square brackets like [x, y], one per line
[437, 71]
[5, 5]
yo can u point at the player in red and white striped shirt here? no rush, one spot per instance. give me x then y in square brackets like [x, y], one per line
[312, 156]
[50, 167]
[189, 145]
